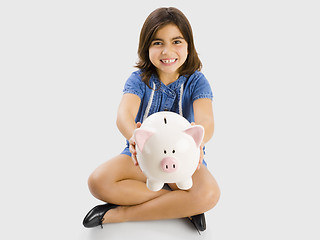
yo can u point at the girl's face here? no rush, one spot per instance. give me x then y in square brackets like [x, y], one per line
[168, 52]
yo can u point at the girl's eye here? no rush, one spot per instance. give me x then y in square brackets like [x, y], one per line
[157, 43]
[177, 42]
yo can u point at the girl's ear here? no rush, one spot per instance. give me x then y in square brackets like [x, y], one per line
[197, 133]
[141, 136]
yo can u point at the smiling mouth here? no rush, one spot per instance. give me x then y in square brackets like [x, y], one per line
[171, 60]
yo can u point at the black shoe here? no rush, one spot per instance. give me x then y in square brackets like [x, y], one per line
[94, 217]
[199, 221]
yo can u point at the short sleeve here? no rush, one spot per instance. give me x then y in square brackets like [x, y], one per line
[135, 85]
[201, 87]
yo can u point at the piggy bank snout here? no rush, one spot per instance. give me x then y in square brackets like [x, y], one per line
[169, 164]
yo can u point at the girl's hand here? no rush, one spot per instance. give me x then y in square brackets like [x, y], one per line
[132, 148]
[201, 155]
[201, 151]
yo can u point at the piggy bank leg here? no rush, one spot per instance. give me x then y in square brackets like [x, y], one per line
[154, 185]
[185, 185]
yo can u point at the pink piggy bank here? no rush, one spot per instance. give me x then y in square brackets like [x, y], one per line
[168, 150]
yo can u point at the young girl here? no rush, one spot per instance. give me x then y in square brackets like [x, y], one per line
[169, 79]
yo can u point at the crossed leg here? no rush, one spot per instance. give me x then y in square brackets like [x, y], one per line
[118, 181]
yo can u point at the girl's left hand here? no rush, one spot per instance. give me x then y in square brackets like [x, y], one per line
[201, 151]
[132, 147]
[201, 155]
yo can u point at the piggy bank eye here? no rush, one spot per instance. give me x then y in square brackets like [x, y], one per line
[165, 152]
[173, 151]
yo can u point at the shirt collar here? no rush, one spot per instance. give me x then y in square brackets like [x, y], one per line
[173, 86]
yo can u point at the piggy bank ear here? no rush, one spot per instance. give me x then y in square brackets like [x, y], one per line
[197, 133]
[141, 136]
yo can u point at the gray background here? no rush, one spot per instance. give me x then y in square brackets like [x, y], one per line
[62, 68]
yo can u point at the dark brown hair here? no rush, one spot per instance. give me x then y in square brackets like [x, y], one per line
[157, 19]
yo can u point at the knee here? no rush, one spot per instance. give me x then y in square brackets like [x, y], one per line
[212, 196]
[207, 197]
[93, 182]
[96, 184]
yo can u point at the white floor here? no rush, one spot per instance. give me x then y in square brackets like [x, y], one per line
[52, 205]
[167, 229]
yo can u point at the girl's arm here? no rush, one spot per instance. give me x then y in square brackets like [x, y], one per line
[127, 111]
[203, 115]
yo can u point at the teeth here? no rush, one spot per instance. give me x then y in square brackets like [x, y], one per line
[168, 61]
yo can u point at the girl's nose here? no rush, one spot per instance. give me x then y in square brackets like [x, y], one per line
[165, 50]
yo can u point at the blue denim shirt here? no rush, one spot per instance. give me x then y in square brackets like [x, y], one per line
[167, 98]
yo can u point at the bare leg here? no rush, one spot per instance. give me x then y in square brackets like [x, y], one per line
[122, 183]
[173, 204]
[118, 181]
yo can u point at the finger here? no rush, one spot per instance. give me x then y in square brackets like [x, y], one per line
[132, 141]
[134, 159]
[138, 124]
[132, 150]
[201, 155]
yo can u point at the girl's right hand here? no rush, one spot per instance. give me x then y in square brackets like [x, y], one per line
[132, 148]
